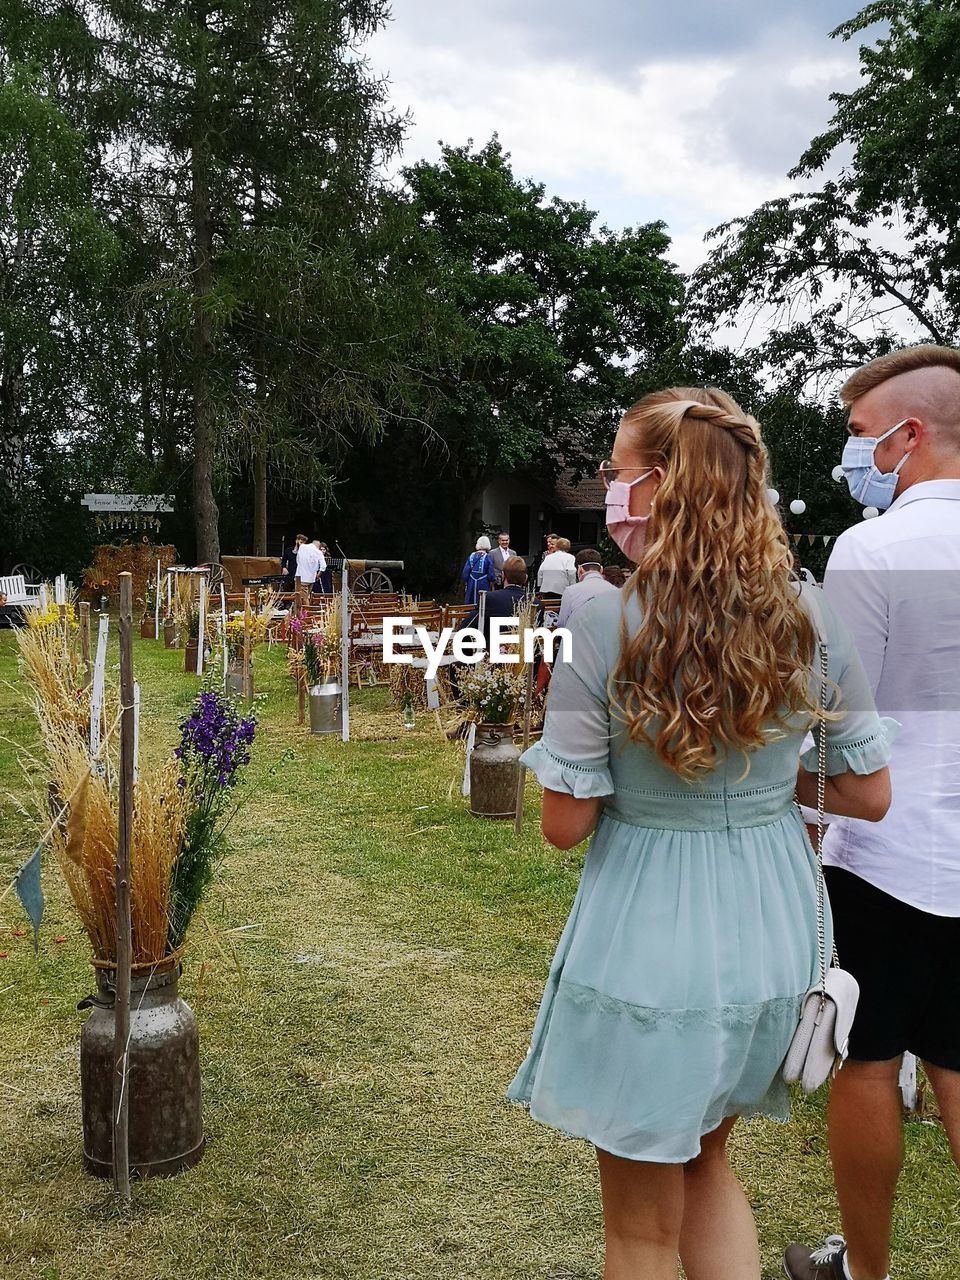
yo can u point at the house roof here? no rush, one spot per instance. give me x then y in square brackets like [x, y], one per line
[587, 494]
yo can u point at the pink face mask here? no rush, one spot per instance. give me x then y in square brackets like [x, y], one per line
[628, 532]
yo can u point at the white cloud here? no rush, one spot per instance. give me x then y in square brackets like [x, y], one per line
[692, 140]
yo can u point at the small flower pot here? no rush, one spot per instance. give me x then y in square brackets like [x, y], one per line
[325, 707]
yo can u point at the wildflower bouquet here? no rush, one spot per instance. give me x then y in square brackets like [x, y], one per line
[493, 691]
[49, 618]
[321, 648]
[214, 749]
[257, 624]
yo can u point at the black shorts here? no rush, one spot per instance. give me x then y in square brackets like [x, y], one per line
[907, 963]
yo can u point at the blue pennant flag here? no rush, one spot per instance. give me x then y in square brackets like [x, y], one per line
[30, 892]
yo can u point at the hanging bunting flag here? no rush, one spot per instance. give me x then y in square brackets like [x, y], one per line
[827, 539]
[796, 539]
[29, 891]
[811, 538]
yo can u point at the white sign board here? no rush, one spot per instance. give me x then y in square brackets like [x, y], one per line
[127, 502]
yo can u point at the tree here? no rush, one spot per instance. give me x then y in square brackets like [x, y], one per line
[544, 327]
[243, 141]
[57, 253]
[841, 274]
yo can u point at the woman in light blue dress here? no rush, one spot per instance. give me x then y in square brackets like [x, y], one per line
[673, 739]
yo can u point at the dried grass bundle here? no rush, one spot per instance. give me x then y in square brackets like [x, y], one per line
[137, 558]
[86, 849]
[408, 682]
[53, 665]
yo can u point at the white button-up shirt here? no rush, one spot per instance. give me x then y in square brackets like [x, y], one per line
[896, 583]
[310, 562]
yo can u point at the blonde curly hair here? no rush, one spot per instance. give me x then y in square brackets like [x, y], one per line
[725, 646]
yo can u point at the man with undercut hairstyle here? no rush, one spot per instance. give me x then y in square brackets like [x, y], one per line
[895, 885]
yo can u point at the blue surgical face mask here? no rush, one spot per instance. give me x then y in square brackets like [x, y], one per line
[870, 487]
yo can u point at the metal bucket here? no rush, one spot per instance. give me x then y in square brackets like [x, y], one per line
[165, 1124]
[325, 702]
[190, 657]
[170, 638]
[494, 772]
[234, 682]
[147, 627]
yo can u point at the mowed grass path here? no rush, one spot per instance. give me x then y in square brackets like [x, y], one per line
[356, 1043]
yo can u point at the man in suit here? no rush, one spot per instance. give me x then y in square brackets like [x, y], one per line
[500, 554]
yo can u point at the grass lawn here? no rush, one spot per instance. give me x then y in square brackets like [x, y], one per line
[356, 1043]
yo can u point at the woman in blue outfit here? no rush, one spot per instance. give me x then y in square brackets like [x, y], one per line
[673, 739]
[479, 573]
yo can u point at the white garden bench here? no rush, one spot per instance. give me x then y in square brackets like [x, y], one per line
[17, 590]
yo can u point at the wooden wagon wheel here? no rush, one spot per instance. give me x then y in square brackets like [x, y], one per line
[29, 572]
[370, 581]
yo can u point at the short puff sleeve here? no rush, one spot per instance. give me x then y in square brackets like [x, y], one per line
[573, 755]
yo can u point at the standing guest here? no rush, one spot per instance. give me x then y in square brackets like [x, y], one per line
[288, 562]
[478, 572]
[590, 583]
[677, 983]
[500, 554]
[550, 545]
[324, 580]
[310, 562]
[557, 568]
[505, 601]
[613, 574]
[895, 886]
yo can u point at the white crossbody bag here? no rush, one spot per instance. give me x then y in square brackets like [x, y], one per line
[819, 1044]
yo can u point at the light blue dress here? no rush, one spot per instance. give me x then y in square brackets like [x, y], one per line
[676, 985]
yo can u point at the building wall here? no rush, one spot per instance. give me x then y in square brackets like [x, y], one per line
[518, 507]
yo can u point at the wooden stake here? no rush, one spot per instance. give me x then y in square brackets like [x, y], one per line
[521, 778]
[345, 653]
[121, 1035]
[223, 637]
[156, 606]
[247, 675]
[85, 642]
[302, 680]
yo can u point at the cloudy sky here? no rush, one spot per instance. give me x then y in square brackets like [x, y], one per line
[690, 111]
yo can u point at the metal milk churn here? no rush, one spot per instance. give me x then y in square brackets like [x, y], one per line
[494, 771]
[325, 701]
[165, 1125]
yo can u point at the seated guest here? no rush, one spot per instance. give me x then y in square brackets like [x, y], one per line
[11, 615]
[505, 602]
[614, 574]
[590, 582]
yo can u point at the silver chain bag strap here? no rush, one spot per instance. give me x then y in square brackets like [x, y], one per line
[819, 1044]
